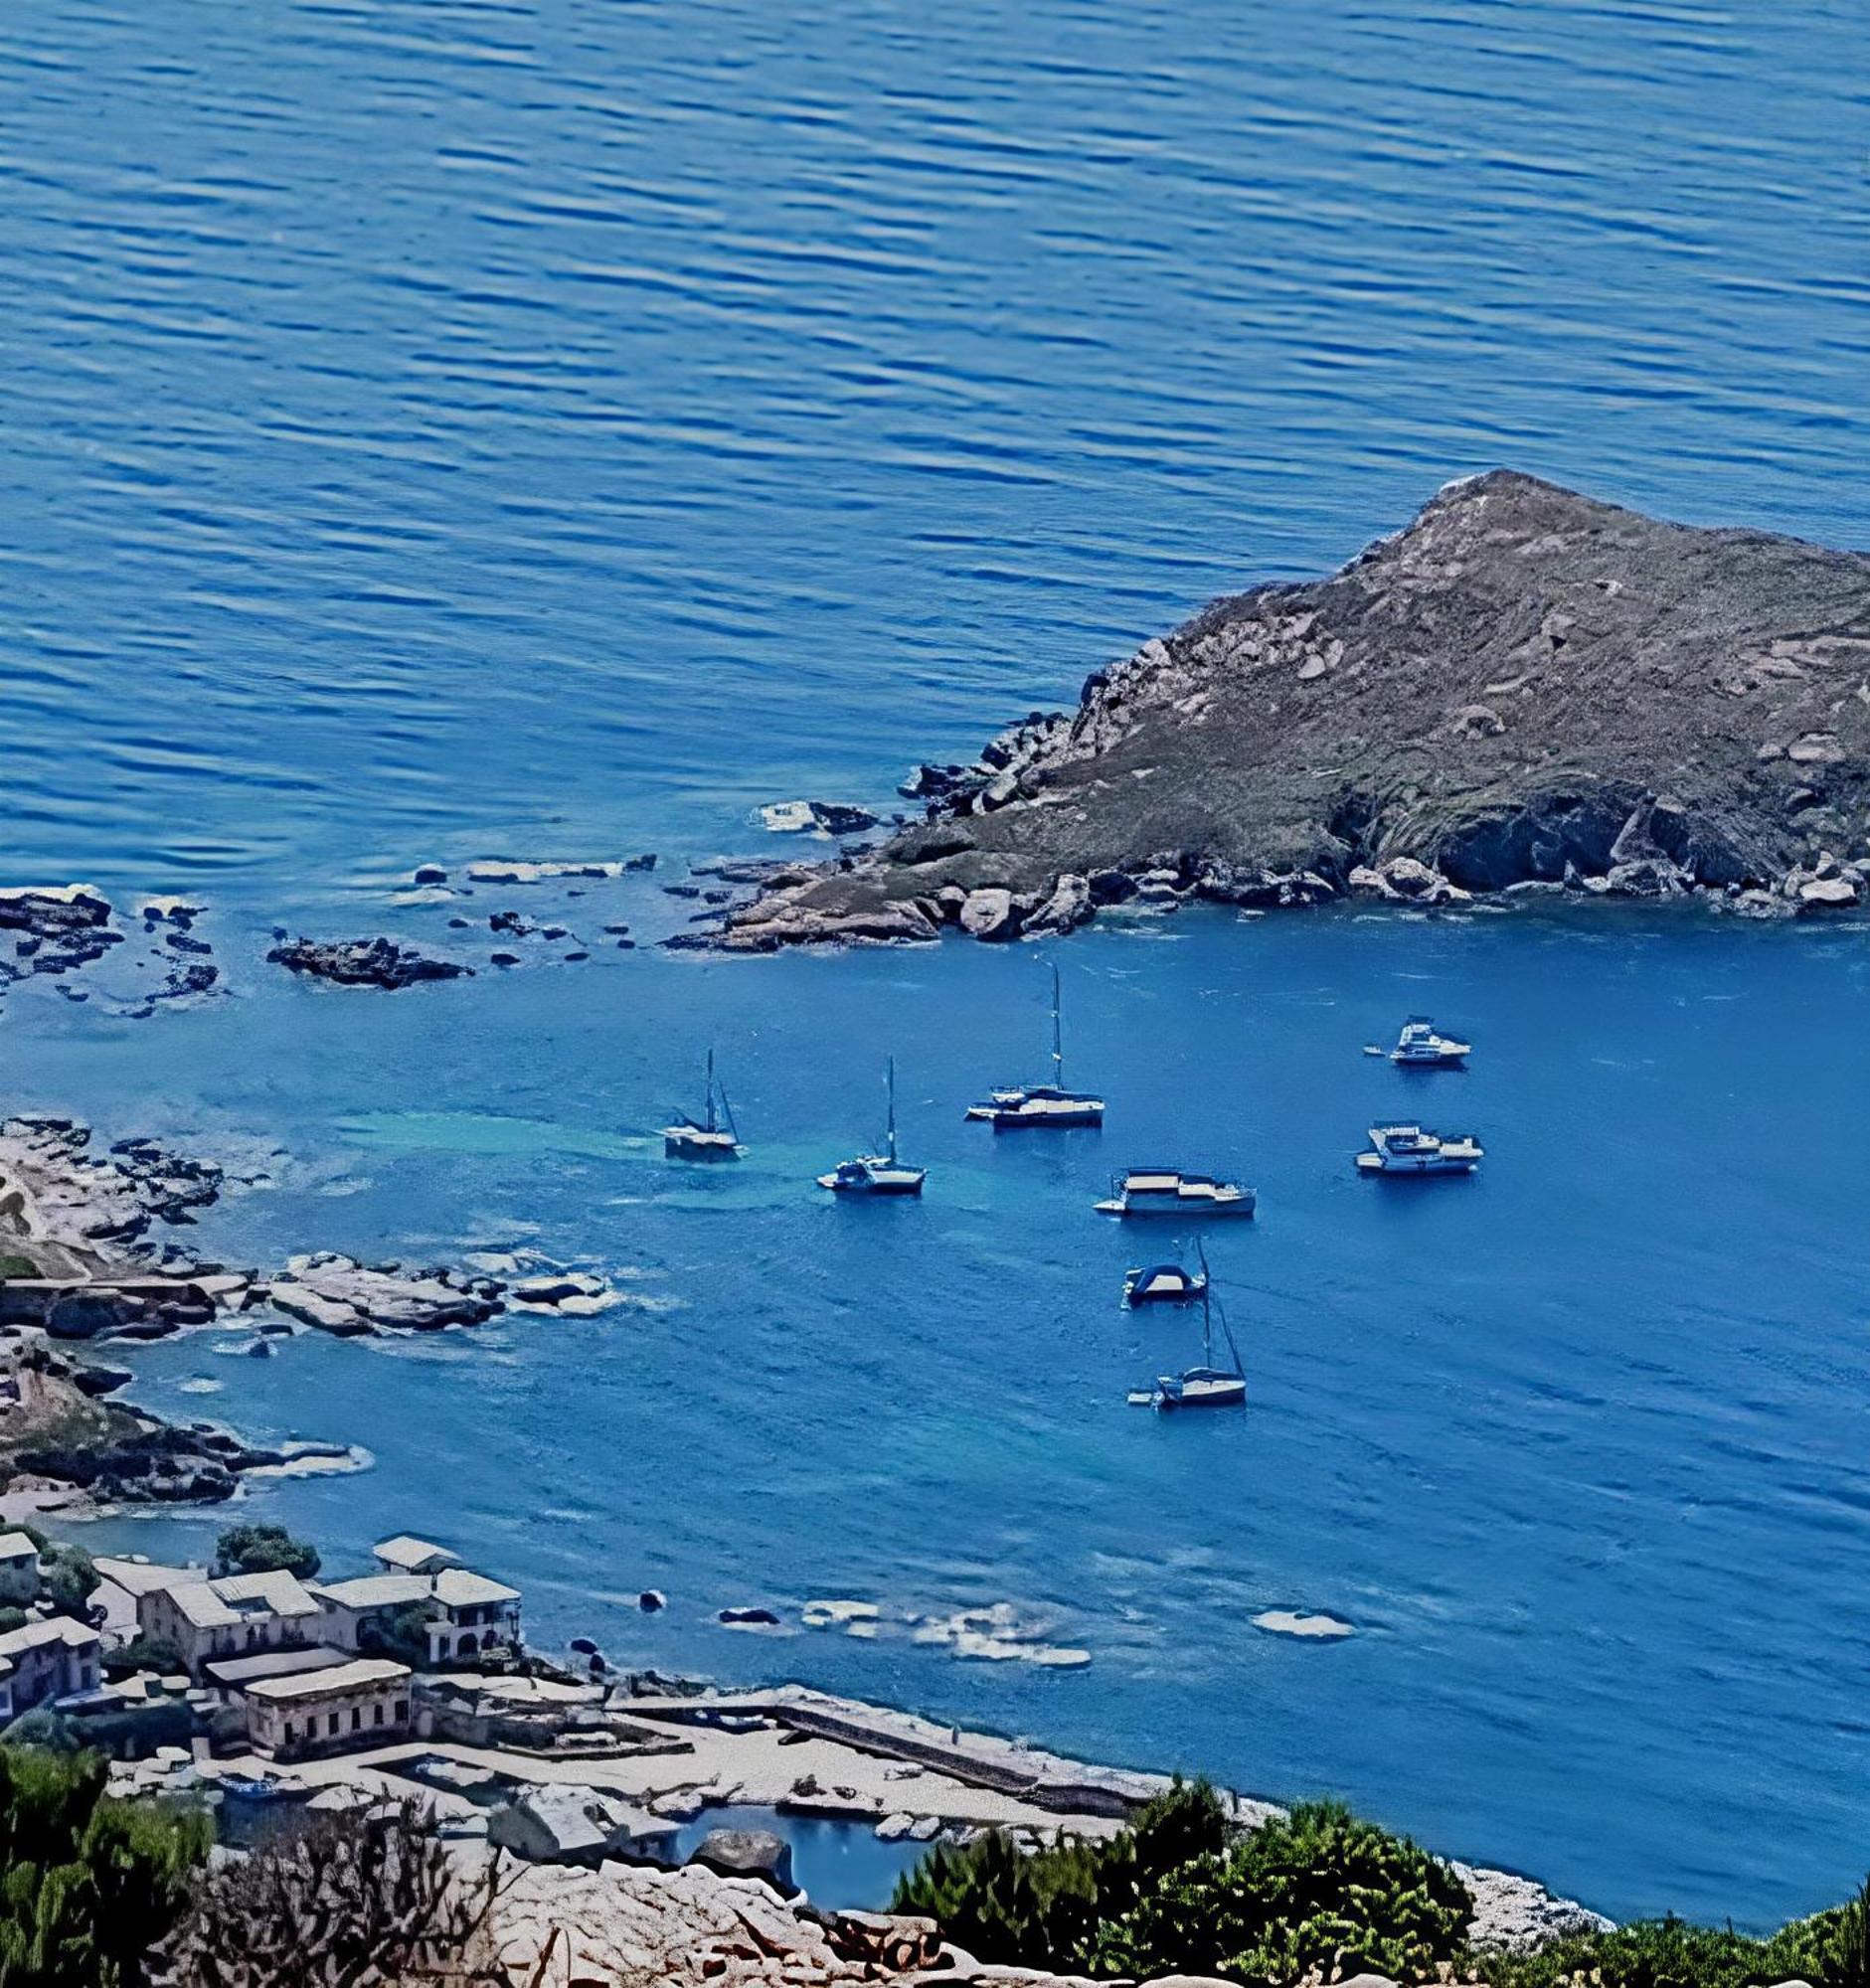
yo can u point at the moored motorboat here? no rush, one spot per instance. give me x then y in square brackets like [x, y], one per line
[1168, 1191]
[877, 1173]
[704, 1138]
[1014, 1107]
[1420, 1047]
[1408, 1149]
[1163, 1283]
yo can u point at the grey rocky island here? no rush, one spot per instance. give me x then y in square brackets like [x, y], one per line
[1524, 690]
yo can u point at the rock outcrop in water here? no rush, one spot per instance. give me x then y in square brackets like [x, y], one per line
[362, 963]
[1524, 690]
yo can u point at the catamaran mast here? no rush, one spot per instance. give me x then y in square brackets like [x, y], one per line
[1058, 1036]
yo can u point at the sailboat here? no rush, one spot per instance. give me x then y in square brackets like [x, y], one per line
[1042, 1104]
[878, 1173]
[706, 1138]
[1205, 1385]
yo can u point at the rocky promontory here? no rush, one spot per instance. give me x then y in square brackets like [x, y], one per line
[1525, 690]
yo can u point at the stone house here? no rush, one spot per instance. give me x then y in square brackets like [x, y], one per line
[406, 1555]
[233, 1615]
[465, 1615]
[362, 1702]
[44, 1662]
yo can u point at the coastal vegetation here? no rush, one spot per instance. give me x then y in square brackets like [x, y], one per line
[1182, 1891]
[1318, 1895]
[87, 1885]
[263, 1549]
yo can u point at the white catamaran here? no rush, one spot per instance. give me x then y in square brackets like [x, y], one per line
[878, 1173]
[1205, 1385]
[1048, 1104]
[1420, 1047]
[706, 1138]
[1166, 1190]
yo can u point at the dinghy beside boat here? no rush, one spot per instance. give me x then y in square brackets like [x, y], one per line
[1205, 1385]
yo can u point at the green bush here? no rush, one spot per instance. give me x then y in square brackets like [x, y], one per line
[400, 1633]
[144, 1653]
[264, 1549]
[1178, 1892]
[87, 1885]
[67, 1580]
[1830, 1951]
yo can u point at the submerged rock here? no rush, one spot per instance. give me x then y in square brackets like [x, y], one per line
[363, 962]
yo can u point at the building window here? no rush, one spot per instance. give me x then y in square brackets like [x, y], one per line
[331, 1724]
[291, 1733]
[376, 1712]
[357, 1717]
[402, 1709]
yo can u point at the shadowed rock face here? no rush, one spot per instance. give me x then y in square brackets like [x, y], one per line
[1523, 687]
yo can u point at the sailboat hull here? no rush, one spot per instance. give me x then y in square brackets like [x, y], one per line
[1201, 1391]
[697, 1144]
[1055, 1118]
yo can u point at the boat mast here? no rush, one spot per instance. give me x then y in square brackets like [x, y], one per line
[890, 1081]
[709, 1127]
[1207, 1307]
[1058, 1036]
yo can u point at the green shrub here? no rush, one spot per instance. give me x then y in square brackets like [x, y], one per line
[67, 1580]
[400, 1633]
[144, 1653]
[12, 1264]
[88, 1884]
[264, 1549]
[1178, 1892]
[12, 1618]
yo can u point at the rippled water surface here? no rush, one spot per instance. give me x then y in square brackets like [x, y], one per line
[442, 430]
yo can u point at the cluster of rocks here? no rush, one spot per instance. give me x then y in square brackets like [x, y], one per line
[80, 1199]
[363, 962]
[1524, 691]
[57, 929]
[555, 1924]
[815, 817]
[154, 1462]
[337, 1294]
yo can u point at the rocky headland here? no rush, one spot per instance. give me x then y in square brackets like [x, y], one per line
[1525, 691]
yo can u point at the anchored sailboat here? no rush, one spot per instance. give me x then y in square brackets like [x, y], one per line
[878, 1173]
[1205, 1385]
[704, 1138]
[1042, 1104]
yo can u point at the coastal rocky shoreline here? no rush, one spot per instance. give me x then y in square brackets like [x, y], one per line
[80, 1265]
[1524, 692]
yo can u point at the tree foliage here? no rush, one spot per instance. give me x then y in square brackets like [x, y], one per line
[87, 1885]
[256, 1549]
[1181, 1892]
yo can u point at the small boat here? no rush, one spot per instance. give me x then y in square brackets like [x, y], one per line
[1205, 1385]
[1419, 1047]
[1408, 1149]
[1046, 1104]
[1163, 1283]
[706, 1138]
[1165, 1191]
[878, 1173]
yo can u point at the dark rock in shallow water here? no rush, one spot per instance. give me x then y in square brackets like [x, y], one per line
[429, 873]
[750, 1619]
[1523, 685]
[363, 962]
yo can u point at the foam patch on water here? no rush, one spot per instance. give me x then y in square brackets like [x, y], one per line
[201, 1384]
[1313, 1628]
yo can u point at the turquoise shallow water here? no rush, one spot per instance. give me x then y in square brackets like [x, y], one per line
[442, 430]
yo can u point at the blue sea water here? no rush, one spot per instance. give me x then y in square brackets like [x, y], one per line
[435, 430]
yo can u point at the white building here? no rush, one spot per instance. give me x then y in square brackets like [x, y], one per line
[465, 1615]
[19, 1570]
[362, 1702]
[44, 1662]
[407, 1555]
[234, 1615]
